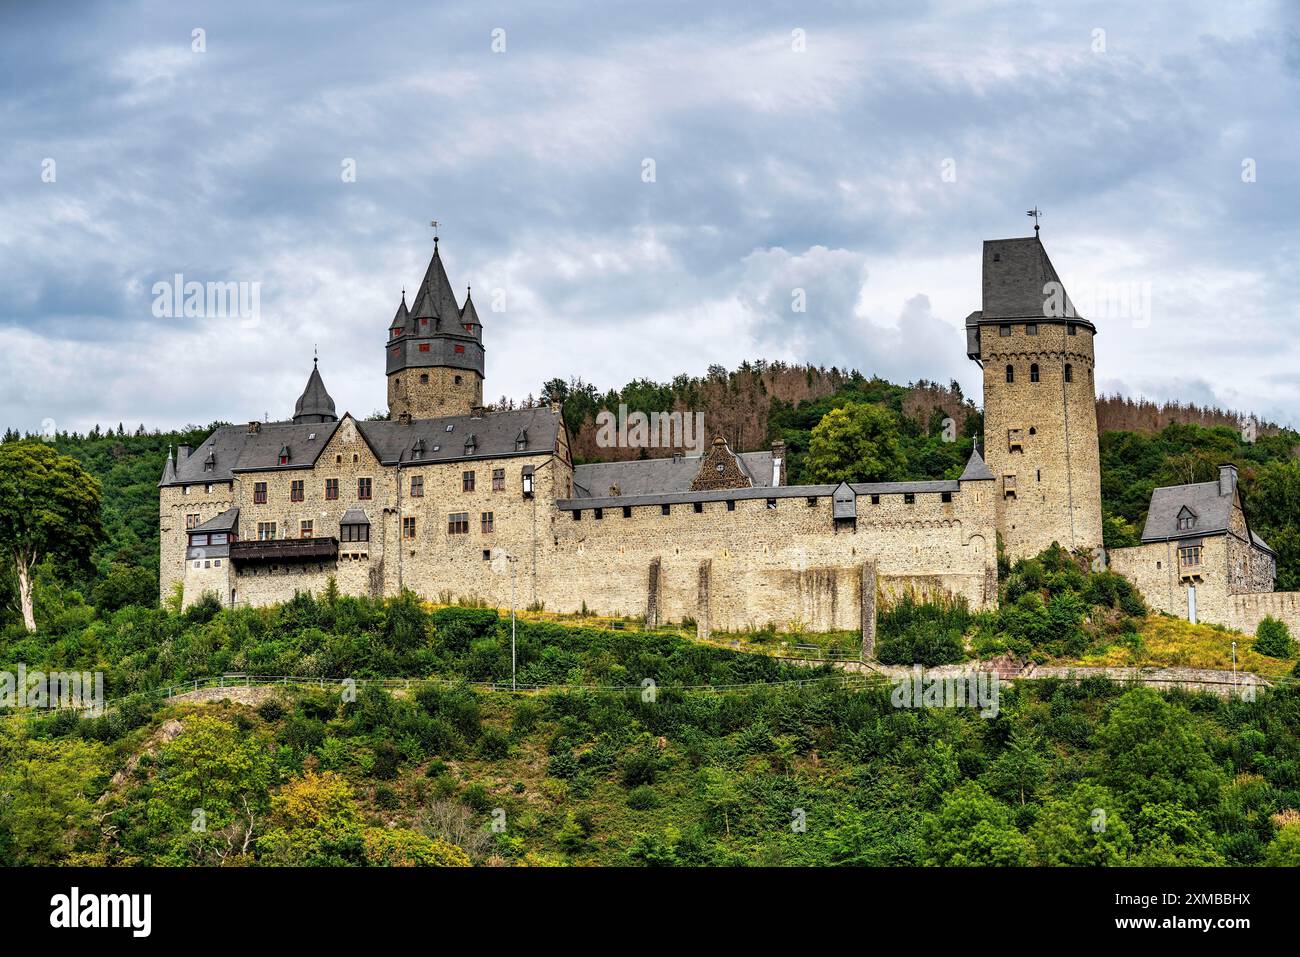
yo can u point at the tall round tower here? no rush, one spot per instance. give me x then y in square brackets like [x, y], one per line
[1040, 406]
[435, 351]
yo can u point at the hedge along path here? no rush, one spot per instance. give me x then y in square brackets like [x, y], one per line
[855, 676]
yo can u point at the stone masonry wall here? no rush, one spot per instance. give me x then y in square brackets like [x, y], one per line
[1056, 466]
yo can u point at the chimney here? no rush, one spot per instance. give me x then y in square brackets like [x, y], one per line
[778, 463]
[254, 427]
[183, 451]
[555, 407]
[1227, 479]
[403, 418]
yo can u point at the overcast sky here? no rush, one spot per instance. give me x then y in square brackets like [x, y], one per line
[859, 153]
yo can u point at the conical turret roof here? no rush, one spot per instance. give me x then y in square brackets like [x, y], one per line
[315, 404]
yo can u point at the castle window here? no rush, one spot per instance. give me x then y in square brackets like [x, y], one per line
[699, 508]
[397, 382]
[627, 511]
[731, 505]
[909, 498]
[424, 378]
[598, 513]
[875, 500]
[459, 349]
[577, 515]
[338, 460]
[487, 522]
[295, 491]
[185, 490]
[198, 540]
[355, 532]
[456, 379]
[1039, 476]
[1004, 330]
[1070, 329]
[498, 480]
[997, 257]
[220, 538]
[1069, 372]
[1186, 519]
[331, 489]
[259, 493]
[1189, 555]
[1031, 328]
[424, 322]
[266, 531]
[1033, 372]
[665, 509]
[305, 528]
[487, 554]
[207, 488]
[468, 327]
[812, 501]
[364, 488]
[1157, 566]
[191, 520]
[1011, 373]
[467, 481]
[458, 523]
[945, 496]
[395, 333]
[424, 347]
[417, 486]
[771, 503]
[408, 526]
[528, 481]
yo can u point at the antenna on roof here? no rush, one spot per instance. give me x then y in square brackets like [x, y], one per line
[1035, 213]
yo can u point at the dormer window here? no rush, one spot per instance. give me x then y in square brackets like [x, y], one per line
[1186, 519]
[450, 427]
[284, 455]
[521, 440]
[395, 332]
[210, 462]
[471, 444]
[417, 450]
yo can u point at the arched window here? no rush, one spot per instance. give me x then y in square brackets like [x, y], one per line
[1033, 372]
[1069, 372]
[1011, 373]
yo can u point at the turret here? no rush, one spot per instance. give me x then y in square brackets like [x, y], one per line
[315, 404]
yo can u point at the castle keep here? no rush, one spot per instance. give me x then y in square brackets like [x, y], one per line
[454, 502]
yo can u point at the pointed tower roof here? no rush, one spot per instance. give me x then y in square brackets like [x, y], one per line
[1015, 274]
[976, 470]
[402, 313]
[435, 298]
[468, 314]
[169, 470]
[315, 404]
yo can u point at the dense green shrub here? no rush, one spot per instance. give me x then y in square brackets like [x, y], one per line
[1273, 638]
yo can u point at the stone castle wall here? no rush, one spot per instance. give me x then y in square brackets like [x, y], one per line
[440, 395]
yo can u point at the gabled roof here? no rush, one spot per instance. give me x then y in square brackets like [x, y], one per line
[315, 404]
[976, 470]
[1015, 272]
[235, 449]
[1213, 513]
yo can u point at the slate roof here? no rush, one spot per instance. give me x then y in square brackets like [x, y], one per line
[225, 522]
[435, 298]
[1015, 271]
[1213, 513]
[169, 470]
[494, 433]
[662, 475]
[976, 470]
[468, 314]
[237, 450]
[354, 516]
[315, 403]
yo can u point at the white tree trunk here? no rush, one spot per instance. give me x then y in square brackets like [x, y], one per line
[25, 593]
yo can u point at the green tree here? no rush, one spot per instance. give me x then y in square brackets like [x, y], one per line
[1151, 752]
[46, 790]
[49, 509]
[314, 823]
[857, 442]
[1273, 638]
[1081, 829]
[721, 795]
[1021, 768]
[971, 829]
[1284, 850]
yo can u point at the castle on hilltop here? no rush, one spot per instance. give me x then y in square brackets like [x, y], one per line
[454, 502]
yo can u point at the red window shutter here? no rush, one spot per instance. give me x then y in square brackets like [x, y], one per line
[460, 348]
[424, 347]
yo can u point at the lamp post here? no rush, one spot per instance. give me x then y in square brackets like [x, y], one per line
[1234, 663]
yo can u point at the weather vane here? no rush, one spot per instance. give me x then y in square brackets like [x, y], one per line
[434, 224]
[1035, 213]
